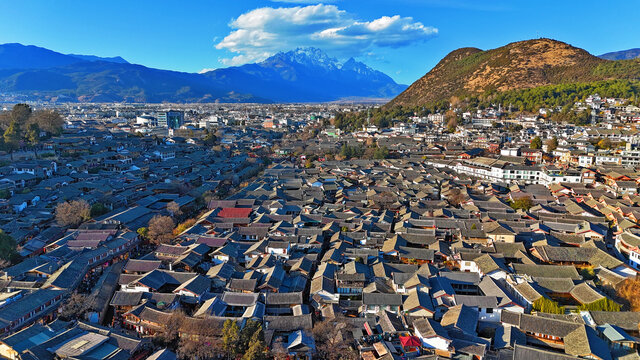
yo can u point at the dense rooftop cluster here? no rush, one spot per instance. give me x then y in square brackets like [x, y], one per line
[465, 244]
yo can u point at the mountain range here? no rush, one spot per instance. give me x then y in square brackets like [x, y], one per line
[307, 75]
[622, 55]
[519, 65]
[18, 56]
[301, 75]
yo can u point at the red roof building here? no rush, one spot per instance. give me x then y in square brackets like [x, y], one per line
[230, 213]
[410, 341]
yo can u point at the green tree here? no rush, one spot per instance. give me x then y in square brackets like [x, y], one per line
[33, 136]
[604, 144]
[256, 348]
[8, 248]
[536, 143]
[524, 203]
[604, 304]
[12, 137]
[246, 333]
[349, 152]
[230, 337]
[210, 138]
[381, 153]
[21, 113]
[98, 209]
[143, 232]
[548, 306]
[5, 194]
[308, 164]
[552, 144]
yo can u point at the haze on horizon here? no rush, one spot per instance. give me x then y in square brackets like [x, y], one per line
[403, 38]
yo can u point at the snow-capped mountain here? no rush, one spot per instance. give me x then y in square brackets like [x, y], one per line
[307, 74]
[309, 57]
[301, 75]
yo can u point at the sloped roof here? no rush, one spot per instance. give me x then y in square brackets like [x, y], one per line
[461, 317]
[417, 299]
[548, 271]
[585, 294]
[234, 213]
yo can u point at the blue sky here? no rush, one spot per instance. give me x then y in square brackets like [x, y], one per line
[403, 38]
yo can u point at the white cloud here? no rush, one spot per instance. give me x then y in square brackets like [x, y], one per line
[303, 1]
[262, 32]
[387, 31]
[245, 58]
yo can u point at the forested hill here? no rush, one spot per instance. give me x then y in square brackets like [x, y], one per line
[521, 65]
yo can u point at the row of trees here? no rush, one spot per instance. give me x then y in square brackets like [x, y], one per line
[604, 304]
[348, 151]
[365, 152]
[562, 96]
[75, 212]
[552, 96]
[21, 125]
[536, 143]
[203, 338]
[161, 228]
[248, 342]
[569, 115]
[548, 306]
[382, 117]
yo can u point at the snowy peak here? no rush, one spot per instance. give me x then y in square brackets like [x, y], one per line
[309, 74]
[314, 58]
[357, 67]
[308, 57]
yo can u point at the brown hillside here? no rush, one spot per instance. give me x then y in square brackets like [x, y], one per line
[519, 65]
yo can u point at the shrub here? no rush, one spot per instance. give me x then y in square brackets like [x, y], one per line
[604, 304]
[183, 226]
[548, 306]
[524, 203]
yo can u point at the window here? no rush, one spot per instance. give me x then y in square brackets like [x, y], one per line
[489, 310]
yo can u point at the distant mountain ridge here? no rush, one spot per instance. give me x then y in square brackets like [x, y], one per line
[519, 65]
[307, 75]
[621, 55]
[114, 59]
[18, 56]
[301, 75]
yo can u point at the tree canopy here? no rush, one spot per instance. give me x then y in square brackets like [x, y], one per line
[73, 213]
[161, 229]
[21, 125]
[548, 306]
[536, 143]
[7, 248]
